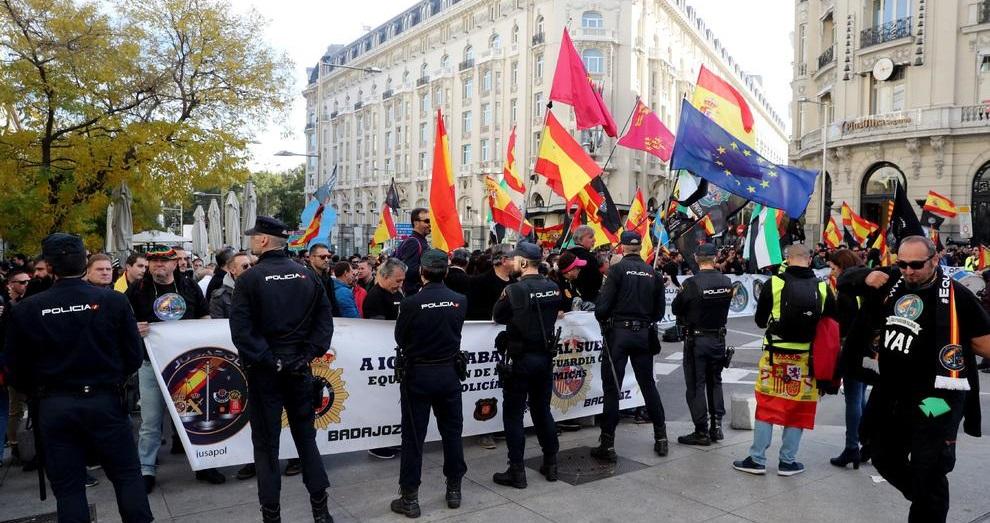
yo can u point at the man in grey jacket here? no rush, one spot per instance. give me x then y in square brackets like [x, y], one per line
[220, 299]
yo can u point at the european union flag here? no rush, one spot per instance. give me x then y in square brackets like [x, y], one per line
[709, 151]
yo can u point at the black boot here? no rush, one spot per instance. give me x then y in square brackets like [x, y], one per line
[271, 513]
[848, 456]
[715, 430]
[453, 493]
[549, 467]
[515, 476]
[698, 437]
[660, 441]
[605, 450]
[408, 503]
[318, 502]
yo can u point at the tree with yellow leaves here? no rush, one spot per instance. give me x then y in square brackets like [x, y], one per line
[162, 94]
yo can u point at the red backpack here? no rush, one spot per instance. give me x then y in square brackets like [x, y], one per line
[825, 351]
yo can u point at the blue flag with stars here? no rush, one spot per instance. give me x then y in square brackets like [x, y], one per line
[709, 151]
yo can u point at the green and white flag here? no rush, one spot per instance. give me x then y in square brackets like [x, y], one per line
[763, 238]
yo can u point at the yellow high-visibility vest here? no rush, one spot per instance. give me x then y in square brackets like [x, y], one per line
[777, 288]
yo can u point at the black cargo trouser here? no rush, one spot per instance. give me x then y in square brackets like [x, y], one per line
[435, 387]
[913, 452]
[633, 346]
[268, 393]
[704, 357]
[75, 426]
[531, 383]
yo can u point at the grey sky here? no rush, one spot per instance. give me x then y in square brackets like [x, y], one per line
[755, 31]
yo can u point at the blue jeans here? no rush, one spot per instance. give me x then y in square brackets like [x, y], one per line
[763, 433]
[855, 403]
[152, 413]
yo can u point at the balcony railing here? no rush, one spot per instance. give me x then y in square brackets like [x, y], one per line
[983, 12]
[539, 38]
[893, 30]
[827, 57]
[466, 64]
[358, 105]
[334, 114]
[387, 94]
[423, 80]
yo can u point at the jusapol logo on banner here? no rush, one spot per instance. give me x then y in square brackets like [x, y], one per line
[357, 405]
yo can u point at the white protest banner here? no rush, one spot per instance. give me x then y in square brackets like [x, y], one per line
[746, 291]
[197, 364]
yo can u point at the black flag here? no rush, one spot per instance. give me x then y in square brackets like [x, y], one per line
[903, 220]
[392, 197]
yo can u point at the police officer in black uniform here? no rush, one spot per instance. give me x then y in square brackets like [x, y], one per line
[428, 333]
[702, 307]
[73, 346]
[528, 308]
[630, 303]
[280, 320]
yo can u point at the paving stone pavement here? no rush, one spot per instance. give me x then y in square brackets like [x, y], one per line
[691, 484]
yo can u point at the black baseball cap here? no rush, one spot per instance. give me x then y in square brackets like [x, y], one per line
[61, 244]
[434, 259]
[270, 226]
[706, 249]
[630, 238]
[527, 250]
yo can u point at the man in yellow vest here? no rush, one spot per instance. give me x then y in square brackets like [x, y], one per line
[789, 308]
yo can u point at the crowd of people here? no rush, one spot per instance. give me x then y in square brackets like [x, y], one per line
[526, 288]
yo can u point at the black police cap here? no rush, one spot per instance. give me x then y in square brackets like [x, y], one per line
[270, 226]
[528, 251]
[434, 259]
[630, 238]
[707, 249]
[62, 244]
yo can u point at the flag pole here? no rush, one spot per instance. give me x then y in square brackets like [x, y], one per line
[532, 175]
[625, 127]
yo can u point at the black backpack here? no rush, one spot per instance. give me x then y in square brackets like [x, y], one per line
[800, 309]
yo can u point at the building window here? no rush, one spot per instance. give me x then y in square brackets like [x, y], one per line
[888, 96]
[802, 51]
[486, 114]
[538, 104]
[468, 88]
[877, 191]
[388, 142]
[422, 162]
[539, 25]
[444, 62]
[466, 122]
[512, 110]
[592, 20]
[438, 97]
[422, 134]
[538, 68]
[495, 42]
[468, 53]
[594, 61]
[985, 63]
[424, 103]
[886, 11]
[515, 34]
[485, 154]
[465, 154]
[514, 74]
[422, 70]
[486, 81]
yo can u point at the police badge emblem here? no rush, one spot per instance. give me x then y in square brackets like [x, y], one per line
[909, 306]
[951, 357]
[485, 409]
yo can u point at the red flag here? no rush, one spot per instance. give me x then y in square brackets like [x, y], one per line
[648, 133]
[509, 171]
[572, 86]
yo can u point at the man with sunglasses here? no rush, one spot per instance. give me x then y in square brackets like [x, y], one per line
[412, 248]
[922, 341]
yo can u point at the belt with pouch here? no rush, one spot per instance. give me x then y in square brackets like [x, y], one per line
[78, 390]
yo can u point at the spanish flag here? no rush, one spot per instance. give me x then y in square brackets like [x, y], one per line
[386, 227]
[860, 227]
[725, 105]
[504, 211]
[982, 258]
[638, 220]
[831, 235]
[707, 225]
[447, 232]
[563, 161]
[312, 230]
[940, 205]
[509, 172]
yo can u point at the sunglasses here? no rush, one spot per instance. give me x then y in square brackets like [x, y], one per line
[426, 221]
[324, 256]
[914, 265]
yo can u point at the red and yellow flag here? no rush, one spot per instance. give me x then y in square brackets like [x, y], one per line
[861, 227]
[447, 233]
[638, 220]
[386, 227]
[831, 236]
[940, 205]
[725, 105]
[509, 172]
[504, 211]
[706, 225]
[311, 231]
[648, 133]
[563, 161]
